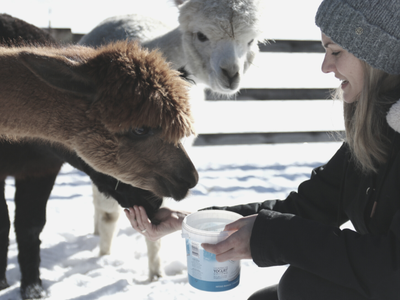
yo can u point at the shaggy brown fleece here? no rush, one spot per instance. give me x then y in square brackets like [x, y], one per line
[90, 100]
[15, 31]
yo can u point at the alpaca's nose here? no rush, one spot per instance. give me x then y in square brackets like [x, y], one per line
[231, 76]
[188, 175]
[192, 178]
[188, 181]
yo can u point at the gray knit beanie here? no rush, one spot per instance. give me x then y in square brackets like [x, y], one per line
[369, 29]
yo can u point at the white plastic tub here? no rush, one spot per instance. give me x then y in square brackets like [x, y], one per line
[204, 271]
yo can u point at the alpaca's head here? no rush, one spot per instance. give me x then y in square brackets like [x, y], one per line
[146, 105]
[129, 112]
[220, 39]
[138, 89]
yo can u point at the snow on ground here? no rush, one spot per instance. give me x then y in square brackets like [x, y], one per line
[72, 270]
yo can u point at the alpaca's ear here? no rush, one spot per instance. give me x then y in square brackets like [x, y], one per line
[59, 72]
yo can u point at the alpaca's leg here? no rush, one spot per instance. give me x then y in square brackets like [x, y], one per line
[107, 213]
[30, 217]
[154, 260]
[96, 219]
[4, 232]
[108, 227]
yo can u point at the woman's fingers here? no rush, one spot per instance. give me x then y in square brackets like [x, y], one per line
[225, 250]
[130, 214]
[138, 219]
[145, 219]
[235, 225]
[165, 221]
[228, 255]
[237, 245]
[221, 250]
[142, 219]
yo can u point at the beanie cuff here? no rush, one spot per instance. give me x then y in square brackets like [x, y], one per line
[347, 27]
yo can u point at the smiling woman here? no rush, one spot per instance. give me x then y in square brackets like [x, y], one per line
[346, 67]
[360, 183]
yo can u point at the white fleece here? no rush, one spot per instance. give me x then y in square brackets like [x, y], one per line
[393, 116]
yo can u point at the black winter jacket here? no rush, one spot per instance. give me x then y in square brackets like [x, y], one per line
[303, 230]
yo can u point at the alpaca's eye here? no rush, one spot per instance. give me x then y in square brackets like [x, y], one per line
[141, 130]
[202, 37]
[251, 42]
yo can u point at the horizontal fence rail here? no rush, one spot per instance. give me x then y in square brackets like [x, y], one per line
[291, 46]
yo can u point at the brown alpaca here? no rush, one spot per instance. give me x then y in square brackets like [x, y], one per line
[120, 108]
[35, 164]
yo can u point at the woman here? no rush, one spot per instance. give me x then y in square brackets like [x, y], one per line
[360, 183]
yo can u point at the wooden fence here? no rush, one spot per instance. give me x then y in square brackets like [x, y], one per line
[284, 99]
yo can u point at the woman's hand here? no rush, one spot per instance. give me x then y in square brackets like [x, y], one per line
[164, 222]
[237, 245]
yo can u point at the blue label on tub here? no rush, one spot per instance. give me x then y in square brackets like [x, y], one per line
[213, 286]
[206, 273]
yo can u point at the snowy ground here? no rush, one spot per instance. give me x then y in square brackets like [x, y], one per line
[71, 268]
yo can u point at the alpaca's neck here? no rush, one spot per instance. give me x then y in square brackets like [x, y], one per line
[170, 45]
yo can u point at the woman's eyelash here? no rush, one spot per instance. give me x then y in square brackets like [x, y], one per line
[335, 53]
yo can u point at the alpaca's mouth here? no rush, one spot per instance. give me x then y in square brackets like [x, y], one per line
[178, 193]
[177, 190]
[224, 86]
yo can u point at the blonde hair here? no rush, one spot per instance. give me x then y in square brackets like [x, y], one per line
[365, 119]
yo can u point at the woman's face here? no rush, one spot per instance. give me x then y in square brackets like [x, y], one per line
[346, 67]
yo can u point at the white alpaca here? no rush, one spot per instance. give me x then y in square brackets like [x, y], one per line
[216, 40]
[215, 43]
[106, 215]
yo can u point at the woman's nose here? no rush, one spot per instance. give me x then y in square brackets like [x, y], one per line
[327, 65]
